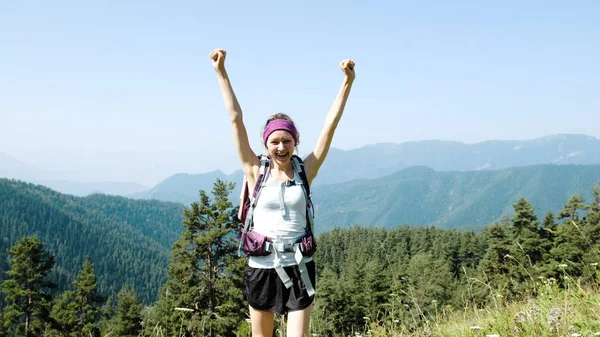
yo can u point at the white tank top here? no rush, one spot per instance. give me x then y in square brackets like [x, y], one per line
[280, 214]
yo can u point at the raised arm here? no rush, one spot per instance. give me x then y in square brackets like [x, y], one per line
[240, 136]
[314, 160]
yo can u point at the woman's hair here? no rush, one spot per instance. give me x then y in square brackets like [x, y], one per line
[281, 115]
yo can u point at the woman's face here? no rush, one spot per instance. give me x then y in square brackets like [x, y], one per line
[280, 146]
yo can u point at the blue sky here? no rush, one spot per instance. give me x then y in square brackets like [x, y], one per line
[125, 91]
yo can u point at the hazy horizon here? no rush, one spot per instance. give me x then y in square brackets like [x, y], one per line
[76, 174]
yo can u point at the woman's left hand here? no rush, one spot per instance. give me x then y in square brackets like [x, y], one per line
[348, 68]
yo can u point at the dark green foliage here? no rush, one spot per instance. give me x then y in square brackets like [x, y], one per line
[330, 304]
[368, 274]
[128, 321]
[404, 275]
[129, 240]
[64, 313]
[571, 243]
[28, 303]
[76, 313]
[205, 274]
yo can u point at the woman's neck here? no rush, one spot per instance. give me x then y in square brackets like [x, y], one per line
[282, 172]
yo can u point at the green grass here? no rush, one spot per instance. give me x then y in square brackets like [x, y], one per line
[574, 311]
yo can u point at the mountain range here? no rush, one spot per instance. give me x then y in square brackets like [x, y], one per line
[421, 196]
[368, 162]
[379, 160]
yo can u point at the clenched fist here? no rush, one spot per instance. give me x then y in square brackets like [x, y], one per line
[218, 59]
[348, 68]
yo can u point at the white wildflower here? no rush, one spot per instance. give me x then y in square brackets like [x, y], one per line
[184, 309]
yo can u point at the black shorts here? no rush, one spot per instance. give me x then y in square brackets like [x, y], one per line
[265, 291]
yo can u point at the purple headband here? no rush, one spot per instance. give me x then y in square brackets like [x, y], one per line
[280, 124]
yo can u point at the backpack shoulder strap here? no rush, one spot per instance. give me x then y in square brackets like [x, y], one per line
[299, 167]
[263, 171]
[245, 196]
[310, 212]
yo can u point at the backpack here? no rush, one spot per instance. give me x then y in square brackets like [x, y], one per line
[254, 243]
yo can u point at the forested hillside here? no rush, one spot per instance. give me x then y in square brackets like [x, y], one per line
[367, 278]
[128, 240]
[420, 196]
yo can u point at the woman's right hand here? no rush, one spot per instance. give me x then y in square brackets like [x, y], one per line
[218, 59]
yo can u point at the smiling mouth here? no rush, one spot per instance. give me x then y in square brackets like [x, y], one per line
[281, 155]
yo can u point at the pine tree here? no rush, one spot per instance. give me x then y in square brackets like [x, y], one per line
[549, 233]
[572, 207]
[64, 313]
[328, 309]
[527, 233]
[87, 300]
[205, 274]
[430, 283]
[128, 320]
[571, 243]
[28, 303]
[107, 316]
[590, 231]
[494, 267]
[353, 282]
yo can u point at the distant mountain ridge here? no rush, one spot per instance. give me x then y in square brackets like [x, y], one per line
[379, 160]
[421, 196]
[367, 162]
[184, 188]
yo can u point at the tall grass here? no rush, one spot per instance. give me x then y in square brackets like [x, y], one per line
[572, 311]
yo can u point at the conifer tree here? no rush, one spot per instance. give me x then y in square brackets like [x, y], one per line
[63, 313]
[329, 304]
[571, 242]
[128, 320]
[205, 275]
[549, 233]
[572, 207]
[494, 267]
[527, 234]
[87, 300]
[430, 284]
[28, 302]
[592, 219]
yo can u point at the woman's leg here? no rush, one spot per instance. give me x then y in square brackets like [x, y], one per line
[262, 323]
[298, 322]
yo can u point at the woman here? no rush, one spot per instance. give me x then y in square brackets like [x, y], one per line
[273, 217]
